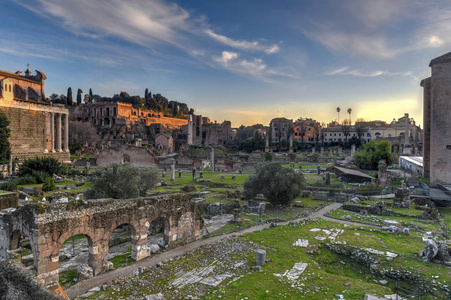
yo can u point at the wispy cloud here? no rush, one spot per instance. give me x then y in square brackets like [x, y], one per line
[243, 45]
[346, 71]
[153, 24]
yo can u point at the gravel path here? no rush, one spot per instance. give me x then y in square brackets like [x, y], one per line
[83, 287]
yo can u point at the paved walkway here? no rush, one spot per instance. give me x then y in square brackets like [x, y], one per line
[83, 287]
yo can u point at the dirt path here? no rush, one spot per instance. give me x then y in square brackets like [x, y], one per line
[83, 287]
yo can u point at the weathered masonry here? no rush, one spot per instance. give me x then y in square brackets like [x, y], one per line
[37, 127]
[49, 226]
[437, 121]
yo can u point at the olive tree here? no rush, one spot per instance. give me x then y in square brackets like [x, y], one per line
[278, 184]
[121, 182]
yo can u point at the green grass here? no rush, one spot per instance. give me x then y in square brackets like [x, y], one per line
[66, 278]
[75, 238]
[123, 260]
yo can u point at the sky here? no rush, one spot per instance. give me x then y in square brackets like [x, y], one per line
[243, 61]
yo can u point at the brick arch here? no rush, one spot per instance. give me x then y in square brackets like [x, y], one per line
[132, 223]
[168, 224]
[68, 234]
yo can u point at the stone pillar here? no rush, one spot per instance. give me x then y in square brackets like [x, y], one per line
[340, 150]
[352, 149]
[66, 132]
[58, 132]
[190, 130]
[406, 149]
[426, 84]
[172, 170]
[322, 150]
[212, 159]
[261, 257]
[194, 175]
[10, 165]
[313, 150]
[52, 131]
[139, 246]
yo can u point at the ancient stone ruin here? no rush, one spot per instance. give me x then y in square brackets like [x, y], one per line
[48, 226]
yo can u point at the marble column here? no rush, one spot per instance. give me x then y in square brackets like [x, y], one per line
[66, 133]
[58, 132]
[52, 132]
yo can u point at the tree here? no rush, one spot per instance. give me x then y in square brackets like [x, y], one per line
[302, 134]
[268, 156]
[70, 101]
[349, 112]
[338, 111]
[5, 147]
[79, 92]
[121, 182]
[360, 128]
[346, 128]
[372, 153]
[278, 184]
[90, 96]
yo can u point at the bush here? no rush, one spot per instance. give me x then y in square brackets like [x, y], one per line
[40, 176]
[278, 184]
[49, 184]
[121, 181]
[268, 156]
[26, 179]
[48, 165]
[9, 186]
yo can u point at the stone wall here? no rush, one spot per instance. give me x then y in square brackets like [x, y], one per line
[8, 200]
[48, 226]
[137, 156]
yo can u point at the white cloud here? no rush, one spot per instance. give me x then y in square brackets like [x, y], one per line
[243, 45]
[346, 71]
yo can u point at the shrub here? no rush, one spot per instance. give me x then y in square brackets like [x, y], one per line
[9, 186]
[40, 176]
[278, 184]
[121, 181]
[26, 179]
[372, 153]
[49, 184]
[48, 165]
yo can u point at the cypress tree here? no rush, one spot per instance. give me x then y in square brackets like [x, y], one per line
[69, 97]
[79, 92]
[90, 95]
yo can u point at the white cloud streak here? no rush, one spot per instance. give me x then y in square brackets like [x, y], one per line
[151, 24]
[346, 71]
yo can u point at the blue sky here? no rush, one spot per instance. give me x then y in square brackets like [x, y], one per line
[244, 61]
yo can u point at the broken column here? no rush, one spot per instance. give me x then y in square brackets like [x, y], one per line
[261, 257]
[212, 159]
[172, 170]
[194, 175]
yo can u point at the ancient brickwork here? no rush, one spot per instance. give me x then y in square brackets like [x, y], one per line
[8, 200]
[49, 226]
[137, 156]
[37, 128]
[437, 103]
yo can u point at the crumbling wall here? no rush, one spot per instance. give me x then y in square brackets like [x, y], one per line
[9, 200]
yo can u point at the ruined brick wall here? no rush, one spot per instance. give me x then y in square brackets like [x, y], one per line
[8, 200]
[137, 156]
[27, 130]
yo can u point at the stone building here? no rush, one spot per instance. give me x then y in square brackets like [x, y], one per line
[202, 132]
[437, 121]
[306, 130]
[165, 142]
[280, 129]
[108, 114]
[38, 128]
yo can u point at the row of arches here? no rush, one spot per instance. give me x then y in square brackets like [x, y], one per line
[126, 239]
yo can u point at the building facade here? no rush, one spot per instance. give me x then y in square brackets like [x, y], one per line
[38, 128]
[306, 130]
[108, 114]
[281, 128]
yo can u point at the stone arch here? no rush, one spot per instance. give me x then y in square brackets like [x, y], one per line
[106, 121]
[167, 225]
[133, 226]
[125, 158]
[107, 111]
[68, 234]
[135, 242]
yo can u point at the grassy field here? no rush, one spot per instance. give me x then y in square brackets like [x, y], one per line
[327, 273]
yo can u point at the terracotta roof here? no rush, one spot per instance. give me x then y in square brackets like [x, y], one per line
[441, 59]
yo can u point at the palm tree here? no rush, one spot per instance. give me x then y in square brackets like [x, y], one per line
[338, 111]
[349, 112]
